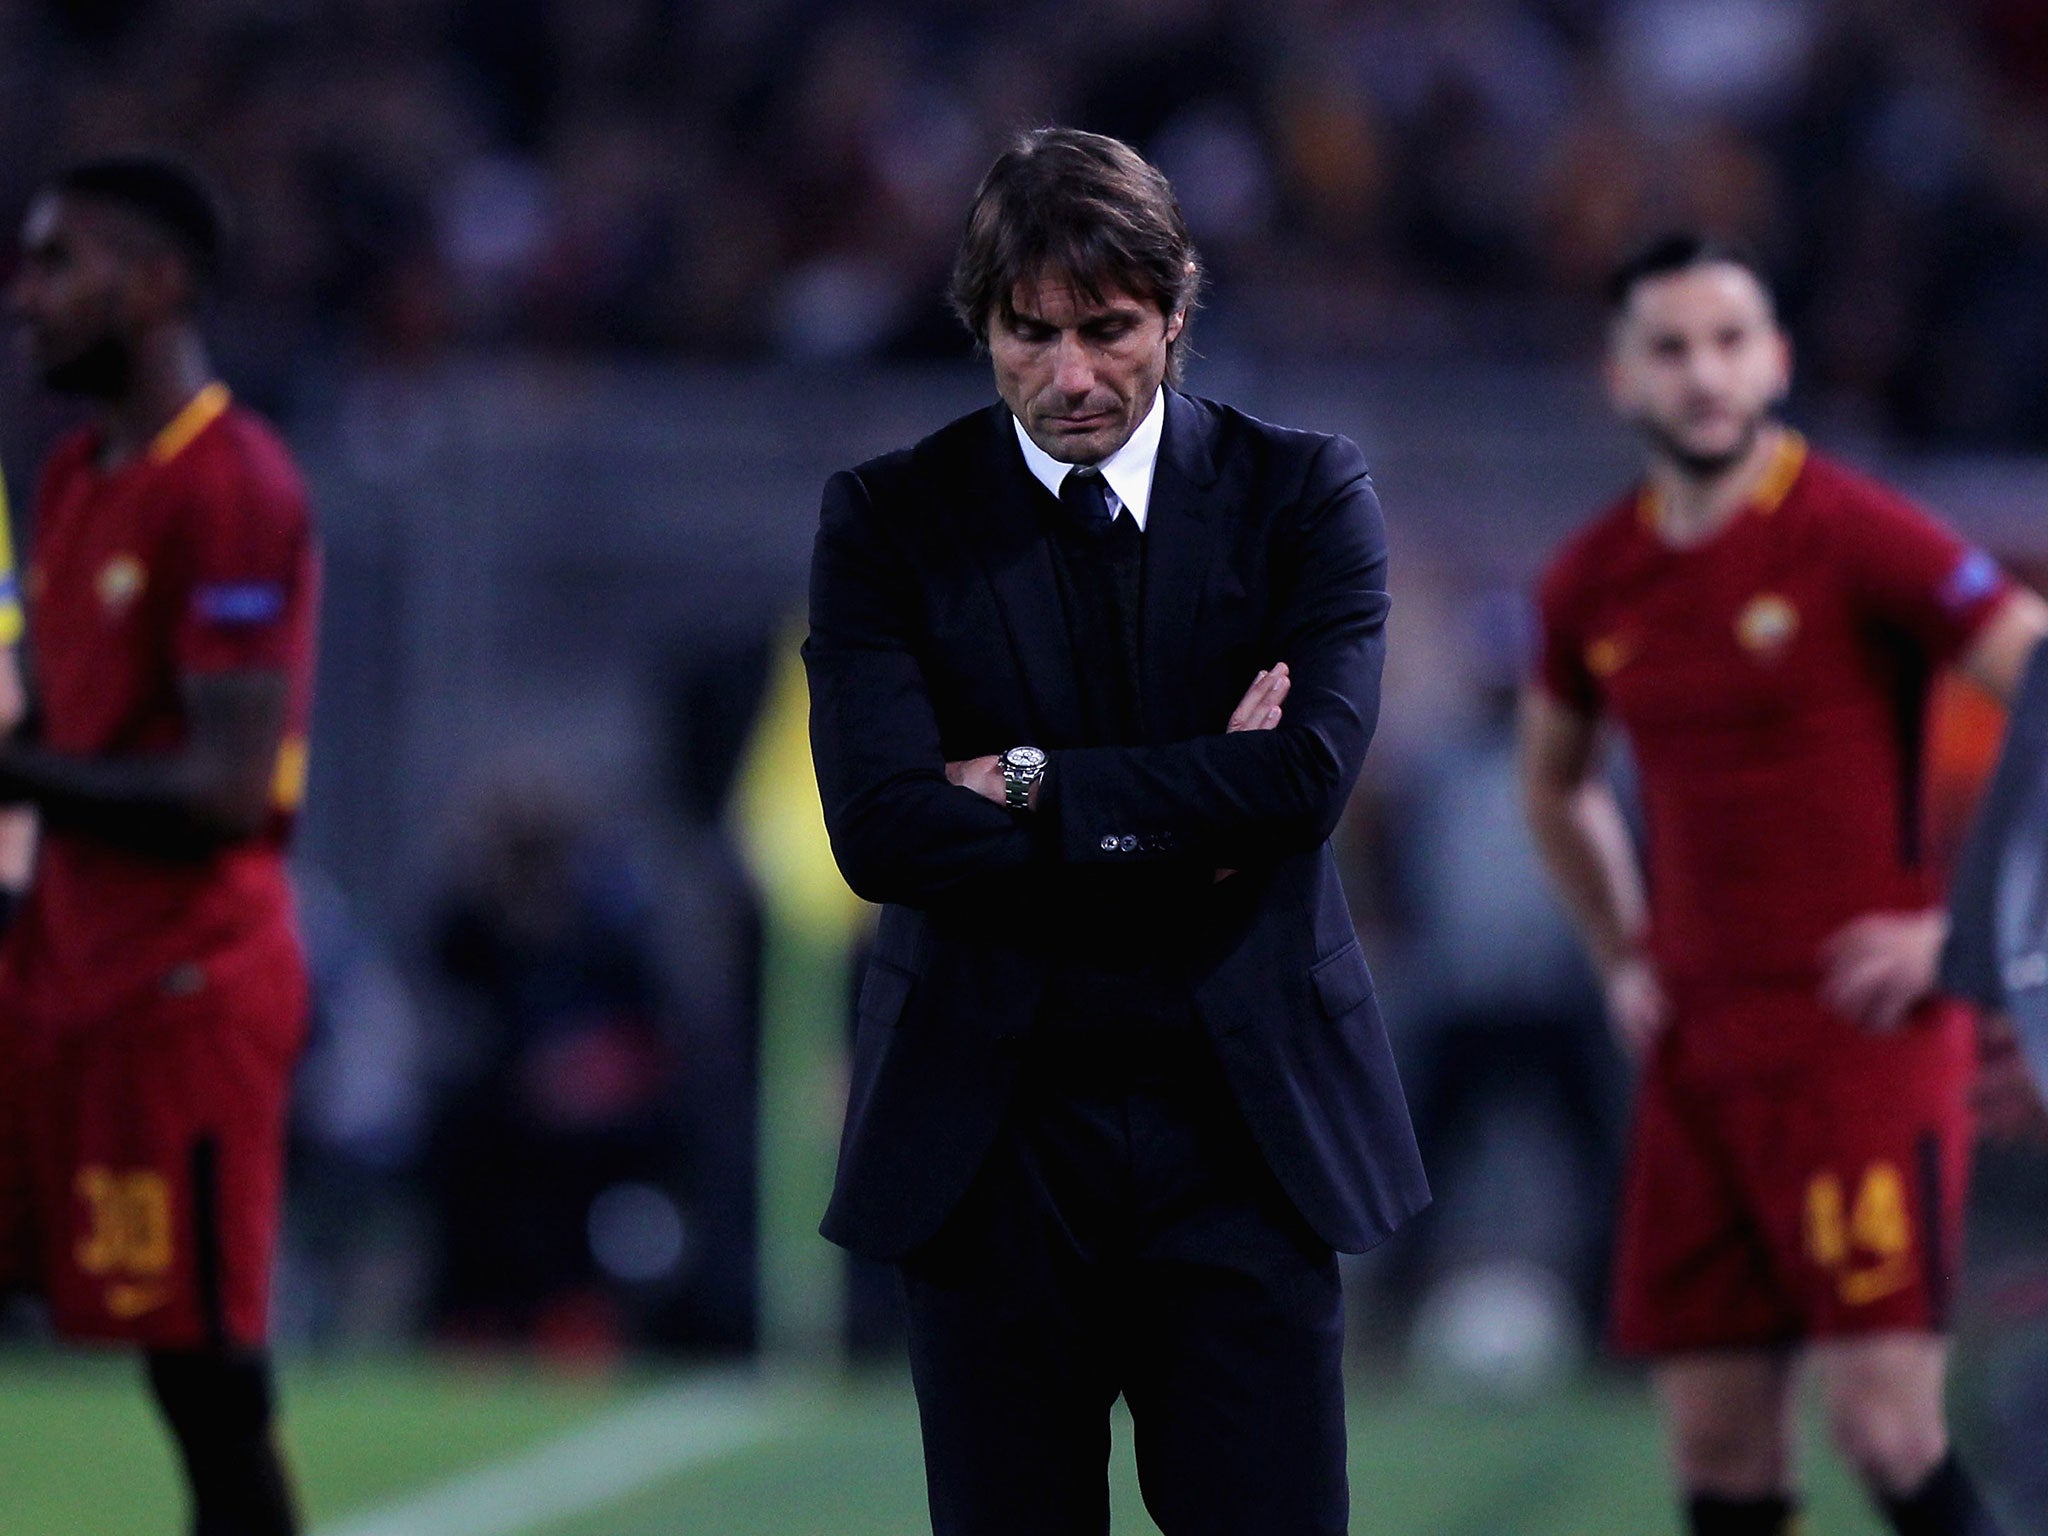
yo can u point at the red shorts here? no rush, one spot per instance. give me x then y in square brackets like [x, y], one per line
[1820, 1201]
[142, 1157]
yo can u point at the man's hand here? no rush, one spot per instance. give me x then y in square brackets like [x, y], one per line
[1881, 966]
[1259, 709]
[984, 775]
[1637, 1009]
[2007, 1102]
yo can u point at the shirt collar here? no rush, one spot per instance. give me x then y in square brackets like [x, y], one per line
[1127, 472]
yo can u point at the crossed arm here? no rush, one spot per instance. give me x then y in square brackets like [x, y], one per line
[214, 788]
[1258, 710]
[907, 830]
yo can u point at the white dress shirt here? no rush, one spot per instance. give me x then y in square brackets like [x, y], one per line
[1126, 474]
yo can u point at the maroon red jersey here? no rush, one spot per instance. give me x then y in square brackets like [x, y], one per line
[1772, 683]
[194, 557]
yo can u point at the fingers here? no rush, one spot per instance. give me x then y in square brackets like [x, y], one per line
[1878, 968]
[983, 775]
[1637, 1032]
[1638, 1007]
[1868, 987]
[1259, 709]
[2006, 1101]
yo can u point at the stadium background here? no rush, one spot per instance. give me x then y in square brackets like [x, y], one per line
[570, 307]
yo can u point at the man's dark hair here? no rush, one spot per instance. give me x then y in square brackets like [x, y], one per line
[168, 195]
[1082, 207]
[1681, 252]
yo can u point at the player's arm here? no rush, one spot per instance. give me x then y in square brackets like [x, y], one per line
[214, 789]
[1997, 658]
[1881, 966]
[1584, 843]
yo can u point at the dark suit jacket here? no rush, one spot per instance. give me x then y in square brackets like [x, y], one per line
[1997, 951]
[937, 635]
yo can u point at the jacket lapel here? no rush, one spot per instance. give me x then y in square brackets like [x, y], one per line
[1007, 530]
[1180, 547]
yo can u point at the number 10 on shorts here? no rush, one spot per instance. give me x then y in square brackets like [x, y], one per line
[127, 1222]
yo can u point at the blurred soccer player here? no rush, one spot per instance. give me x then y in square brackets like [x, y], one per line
[1762, 623]
[152, 991]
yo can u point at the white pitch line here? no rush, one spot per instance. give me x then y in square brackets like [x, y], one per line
[603, 1461]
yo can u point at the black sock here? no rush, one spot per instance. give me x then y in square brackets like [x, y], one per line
[219, 1408]
[1946, 1504]
[1708, 1514]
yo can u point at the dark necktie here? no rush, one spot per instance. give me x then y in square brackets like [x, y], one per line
[1086, 499]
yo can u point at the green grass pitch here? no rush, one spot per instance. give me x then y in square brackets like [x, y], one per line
[80, 1453]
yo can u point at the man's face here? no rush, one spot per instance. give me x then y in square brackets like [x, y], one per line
[1696, 363]
[75, 292]
[1080, 374]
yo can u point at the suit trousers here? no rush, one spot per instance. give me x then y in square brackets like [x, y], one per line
[1125, 1237]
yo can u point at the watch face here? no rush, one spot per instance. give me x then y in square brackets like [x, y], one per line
[1024, 757]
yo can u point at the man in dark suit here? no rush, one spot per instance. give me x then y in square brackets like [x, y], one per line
[1092, 673]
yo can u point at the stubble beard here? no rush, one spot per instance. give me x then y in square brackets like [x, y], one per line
[1703, 468]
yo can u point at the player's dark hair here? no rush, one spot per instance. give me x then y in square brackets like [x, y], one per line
[1680, 252]
[166, 194]
[1085, 208]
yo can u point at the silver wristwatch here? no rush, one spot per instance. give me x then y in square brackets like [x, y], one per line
[1022, 768]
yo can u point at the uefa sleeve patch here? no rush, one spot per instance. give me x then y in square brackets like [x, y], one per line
[239, 603]
[1974, 578]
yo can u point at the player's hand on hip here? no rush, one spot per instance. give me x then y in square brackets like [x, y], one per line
[2008, 1104]
[1879, 967]
[1259, 709]
[1636, 1005]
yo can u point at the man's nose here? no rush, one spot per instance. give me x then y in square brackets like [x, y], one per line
[1073, 371]
[1707, 370]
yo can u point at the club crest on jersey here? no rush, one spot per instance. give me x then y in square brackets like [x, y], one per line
[1766, 625]
[1608, 655]
[120, 582]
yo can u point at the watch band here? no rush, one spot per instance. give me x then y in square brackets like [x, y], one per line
[1018, 777]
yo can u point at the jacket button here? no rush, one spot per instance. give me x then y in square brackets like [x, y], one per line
[1129, 843]
[1109, 844]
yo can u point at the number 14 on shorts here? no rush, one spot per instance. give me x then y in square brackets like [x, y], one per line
[1861, 1232]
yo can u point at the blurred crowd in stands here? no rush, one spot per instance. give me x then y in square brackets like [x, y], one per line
[783, 178]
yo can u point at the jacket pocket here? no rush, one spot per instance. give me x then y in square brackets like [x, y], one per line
[883, 992]
[1341, 980]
